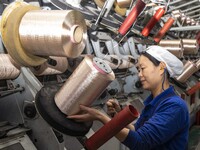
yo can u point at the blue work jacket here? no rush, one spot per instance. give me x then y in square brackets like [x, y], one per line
[163, 124]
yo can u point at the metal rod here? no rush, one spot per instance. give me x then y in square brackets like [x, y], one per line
[196, 10]
[187, 28]
[174, 2]
[194, 16]
[183, 5]
[192, 8]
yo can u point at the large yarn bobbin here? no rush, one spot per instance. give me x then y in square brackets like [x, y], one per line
[53, 33]
[10, 23]
[189, 68]
[173, 46]
[8, 68]
[190, 46]
[85, 85]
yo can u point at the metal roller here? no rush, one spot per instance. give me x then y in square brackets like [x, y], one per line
[59, 65]
[190, 46]
[53, 33]
[10, 23]
[85, 85]
[189, 68]
[8, 68]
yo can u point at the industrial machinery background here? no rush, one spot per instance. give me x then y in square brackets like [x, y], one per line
[56, 54]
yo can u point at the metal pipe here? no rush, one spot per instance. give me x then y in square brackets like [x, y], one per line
[112, 60]
[174, 2]
[128, 61]
[196, 10]
[187, 28]
[187, 10]
[108, 6]
[183, 5]
[194, 16]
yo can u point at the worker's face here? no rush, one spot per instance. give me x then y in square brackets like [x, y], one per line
[149, 74]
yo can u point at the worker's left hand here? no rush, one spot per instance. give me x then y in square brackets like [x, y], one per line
[90, 114]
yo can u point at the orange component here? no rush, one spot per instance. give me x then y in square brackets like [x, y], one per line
[164, 29]
[131, 18]
[193, 89]
[159, 13]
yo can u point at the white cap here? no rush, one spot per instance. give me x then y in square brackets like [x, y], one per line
[173, 64]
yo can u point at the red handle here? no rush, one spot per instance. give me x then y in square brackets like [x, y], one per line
[121, 120]
[164, 29]
[130, 19]
[159, 13]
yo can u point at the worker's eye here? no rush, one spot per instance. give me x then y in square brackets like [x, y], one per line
[138, 69]
[142, 68]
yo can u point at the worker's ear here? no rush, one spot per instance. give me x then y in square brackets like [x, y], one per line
[162, 66]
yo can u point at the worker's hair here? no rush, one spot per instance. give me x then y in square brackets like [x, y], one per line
[154, 61]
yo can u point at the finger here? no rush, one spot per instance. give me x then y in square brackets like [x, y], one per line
[78, 118]
[112, 100]
[116, 105]
[85, 108]
[109, 104]
[110, 109]
[75, 116]
[111, 112]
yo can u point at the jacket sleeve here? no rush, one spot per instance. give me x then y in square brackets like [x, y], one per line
[162, 126]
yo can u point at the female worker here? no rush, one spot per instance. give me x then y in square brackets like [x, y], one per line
[164, 121]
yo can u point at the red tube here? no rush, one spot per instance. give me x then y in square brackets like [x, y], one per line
[159, 13]
[193, 89]
[198, 35]
[164, 29]
[130, 19]
[121, 120]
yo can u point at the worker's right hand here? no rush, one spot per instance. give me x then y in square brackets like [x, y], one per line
[113, 107]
